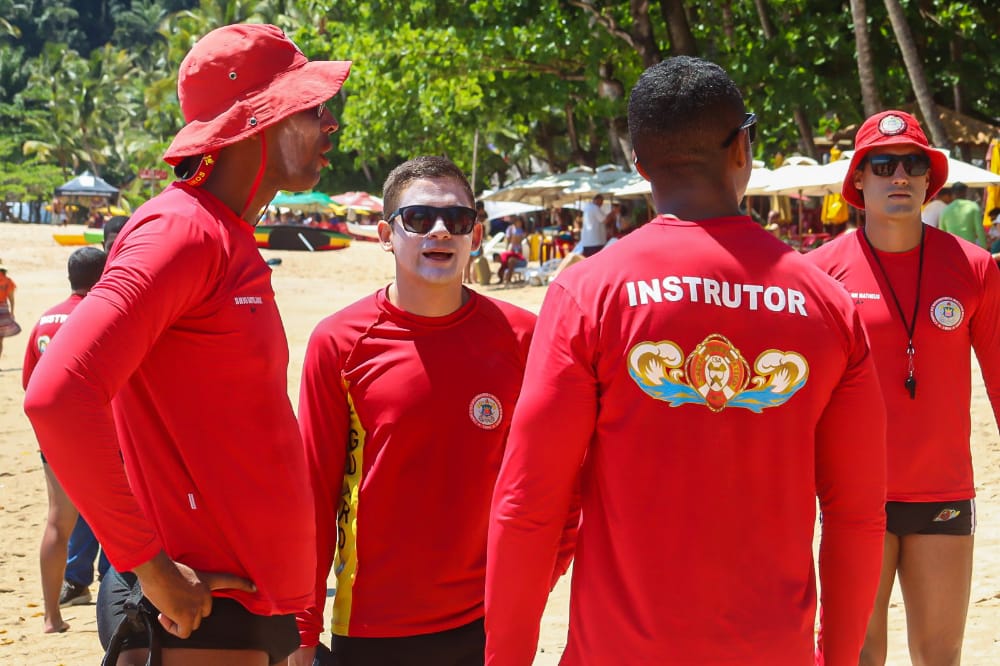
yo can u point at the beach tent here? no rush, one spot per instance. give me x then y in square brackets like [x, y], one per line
[585, 183]
[358, 201]
[307, 202]
[820, 180]
[635, 185]
[495, 209]
[536, 190]
[576, 185]
[87, 185]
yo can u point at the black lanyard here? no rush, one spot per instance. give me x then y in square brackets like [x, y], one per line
[910, 326]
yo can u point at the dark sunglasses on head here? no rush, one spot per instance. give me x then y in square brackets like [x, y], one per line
[458, 220]
[749, 124]
[885, 165]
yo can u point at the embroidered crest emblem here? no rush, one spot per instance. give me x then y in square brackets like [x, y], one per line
[716, 374]
[947, 313]
[485, 411]
[891, 125]
[946, 515]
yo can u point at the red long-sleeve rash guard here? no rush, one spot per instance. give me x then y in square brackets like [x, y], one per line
[47, 326]
[929, 456]
[712, 385]
[405, 419]
[182, 334]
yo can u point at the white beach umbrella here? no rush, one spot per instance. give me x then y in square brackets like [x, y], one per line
[971, 175]
[634, 185]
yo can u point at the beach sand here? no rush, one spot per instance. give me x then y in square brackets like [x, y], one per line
[309, 287]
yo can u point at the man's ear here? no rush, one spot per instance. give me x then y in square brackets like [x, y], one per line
[385, 235]
[638, 167]
[858, 179]
[740, 151]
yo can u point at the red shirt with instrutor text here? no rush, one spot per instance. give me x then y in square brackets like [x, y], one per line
[703, 385]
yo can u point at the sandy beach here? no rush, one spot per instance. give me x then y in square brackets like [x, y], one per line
[308, 287]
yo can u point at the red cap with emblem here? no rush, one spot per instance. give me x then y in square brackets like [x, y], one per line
[893, 128]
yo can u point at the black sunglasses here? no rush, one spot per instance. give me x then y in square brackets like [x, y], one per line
[885, 165]
[458, 220]
[320, 108]
[749, 124]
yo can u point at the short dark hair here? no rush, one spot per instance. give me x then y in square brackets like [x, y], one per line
[425, 167]
[85, 267]
[111, 229]
[959, 189]
[115, 224]
[680, 111]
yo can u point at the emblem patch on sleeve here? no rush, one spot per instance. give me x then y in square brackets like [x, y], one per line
[716, 374]
[485, 411]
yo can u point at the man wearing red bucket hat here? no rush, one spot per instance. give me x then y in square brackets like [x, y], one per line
[925, 297]
[178, 359]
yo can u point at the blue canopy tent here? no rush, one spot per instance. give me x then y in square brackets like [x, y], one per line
[87, 185]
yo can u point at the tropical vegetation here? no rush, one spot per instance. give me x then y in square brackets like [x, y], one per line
[504, 87]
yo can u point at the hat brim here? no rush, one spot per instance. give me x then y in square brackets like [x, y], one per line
[939, 169]
[296, 90]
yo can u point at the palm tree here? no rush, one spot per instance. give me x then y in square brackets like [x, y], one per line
[915, 69]
[870, 98]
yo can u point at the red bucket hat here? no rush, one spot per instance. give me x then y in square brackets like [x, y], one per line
[893, 128]
[239, 79]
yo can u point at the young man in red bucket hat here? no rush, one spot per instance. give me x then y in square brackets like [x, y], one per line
[925, 297]
[178, 359]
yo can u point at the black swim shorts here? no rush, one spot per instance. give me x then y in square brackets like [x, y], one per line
[955, 518]
[230, 626]
[461, 646]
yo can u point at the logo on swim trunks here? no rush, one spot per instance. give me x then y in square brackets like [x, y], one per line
[485, 411]
[947, 313]
[716, 374]
[946, 515]
[891, 125]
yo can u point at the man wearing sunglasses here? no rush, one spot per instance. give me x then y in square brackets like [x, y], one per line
[714, 384]
[925, 297]
[405, 406]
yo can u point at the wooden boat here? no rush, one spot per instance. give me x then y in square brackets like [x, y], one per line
[70, 239]
[94, 236]
[300, 237]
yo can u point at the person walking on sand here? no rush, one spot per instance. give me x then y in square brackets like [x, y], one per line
[405, 406]
[594, 228]
[927, 299]
[178, 359]
[85, 266]
[8, 325]
[718, 385]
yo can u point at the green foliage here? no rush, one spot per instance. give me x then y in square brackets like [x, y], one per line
[93, 84]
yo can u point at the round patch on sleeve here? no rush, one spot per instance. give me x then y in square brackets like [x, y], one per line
[947, 313]
[485, 411]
